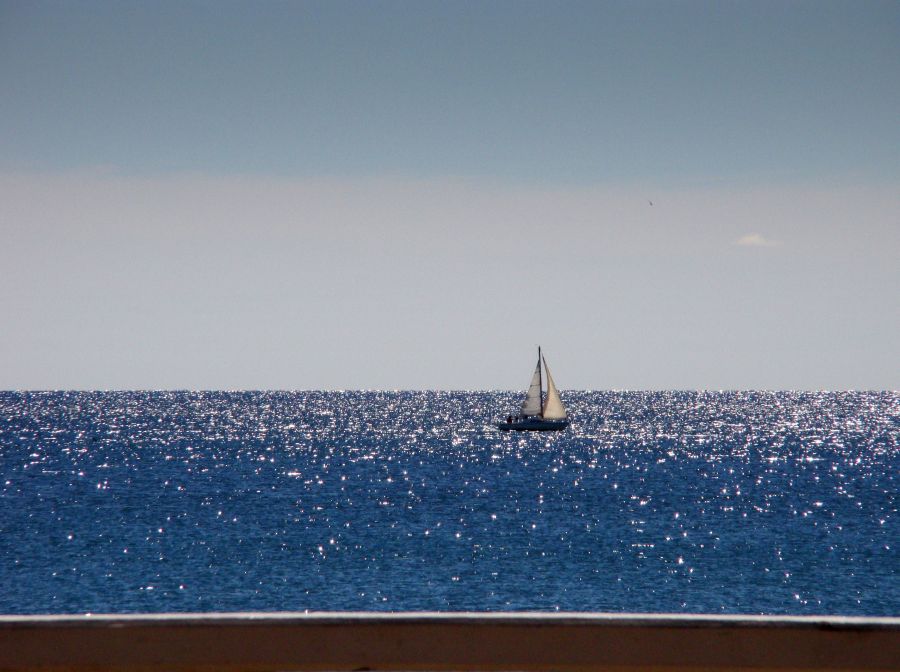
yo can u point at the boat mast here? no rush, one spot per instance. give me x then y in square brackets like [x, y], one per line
[540, 384]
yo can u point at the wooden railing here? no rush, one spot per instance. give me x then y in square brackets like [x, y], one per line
[446, 641]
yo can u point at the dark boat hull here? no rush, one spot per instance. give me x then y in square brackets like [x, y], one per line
[533, 425]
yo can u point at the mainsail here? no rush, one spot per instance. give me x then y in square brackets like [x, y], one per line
[532, 404]
[553, 406]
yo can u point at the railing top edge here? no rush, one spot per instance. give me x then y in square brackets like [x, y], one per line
[427, 617]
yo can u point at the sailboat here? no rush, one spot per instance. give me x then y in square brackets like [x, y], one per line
[535, 416]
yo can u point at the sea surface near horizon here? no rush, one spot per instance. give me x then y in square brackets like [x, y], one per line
[683, 502]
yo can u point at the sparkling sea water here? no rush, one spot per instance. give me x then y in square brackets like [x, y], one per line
[685, 502]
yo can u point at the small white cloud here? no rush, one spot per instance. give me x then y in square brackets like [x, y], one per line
[756, 240]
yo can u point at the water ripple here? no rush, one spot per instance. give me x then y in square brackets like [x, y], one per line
[734, 502]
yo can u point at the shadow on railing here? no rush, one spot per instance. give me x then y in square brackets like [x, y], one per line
[446, 641]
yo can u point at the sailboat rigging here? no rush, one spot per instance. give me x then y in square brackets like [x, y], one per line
[534, 415]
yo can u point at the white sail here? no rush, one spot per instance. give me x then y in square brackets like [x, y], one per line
[553, 407]
[532, 404]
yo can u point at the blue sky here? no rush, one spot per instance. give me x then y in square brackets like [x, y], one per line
[525, 90]
[480, 173]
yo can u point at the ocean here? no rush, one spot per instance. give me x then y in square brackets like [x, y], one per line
[681, 502]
